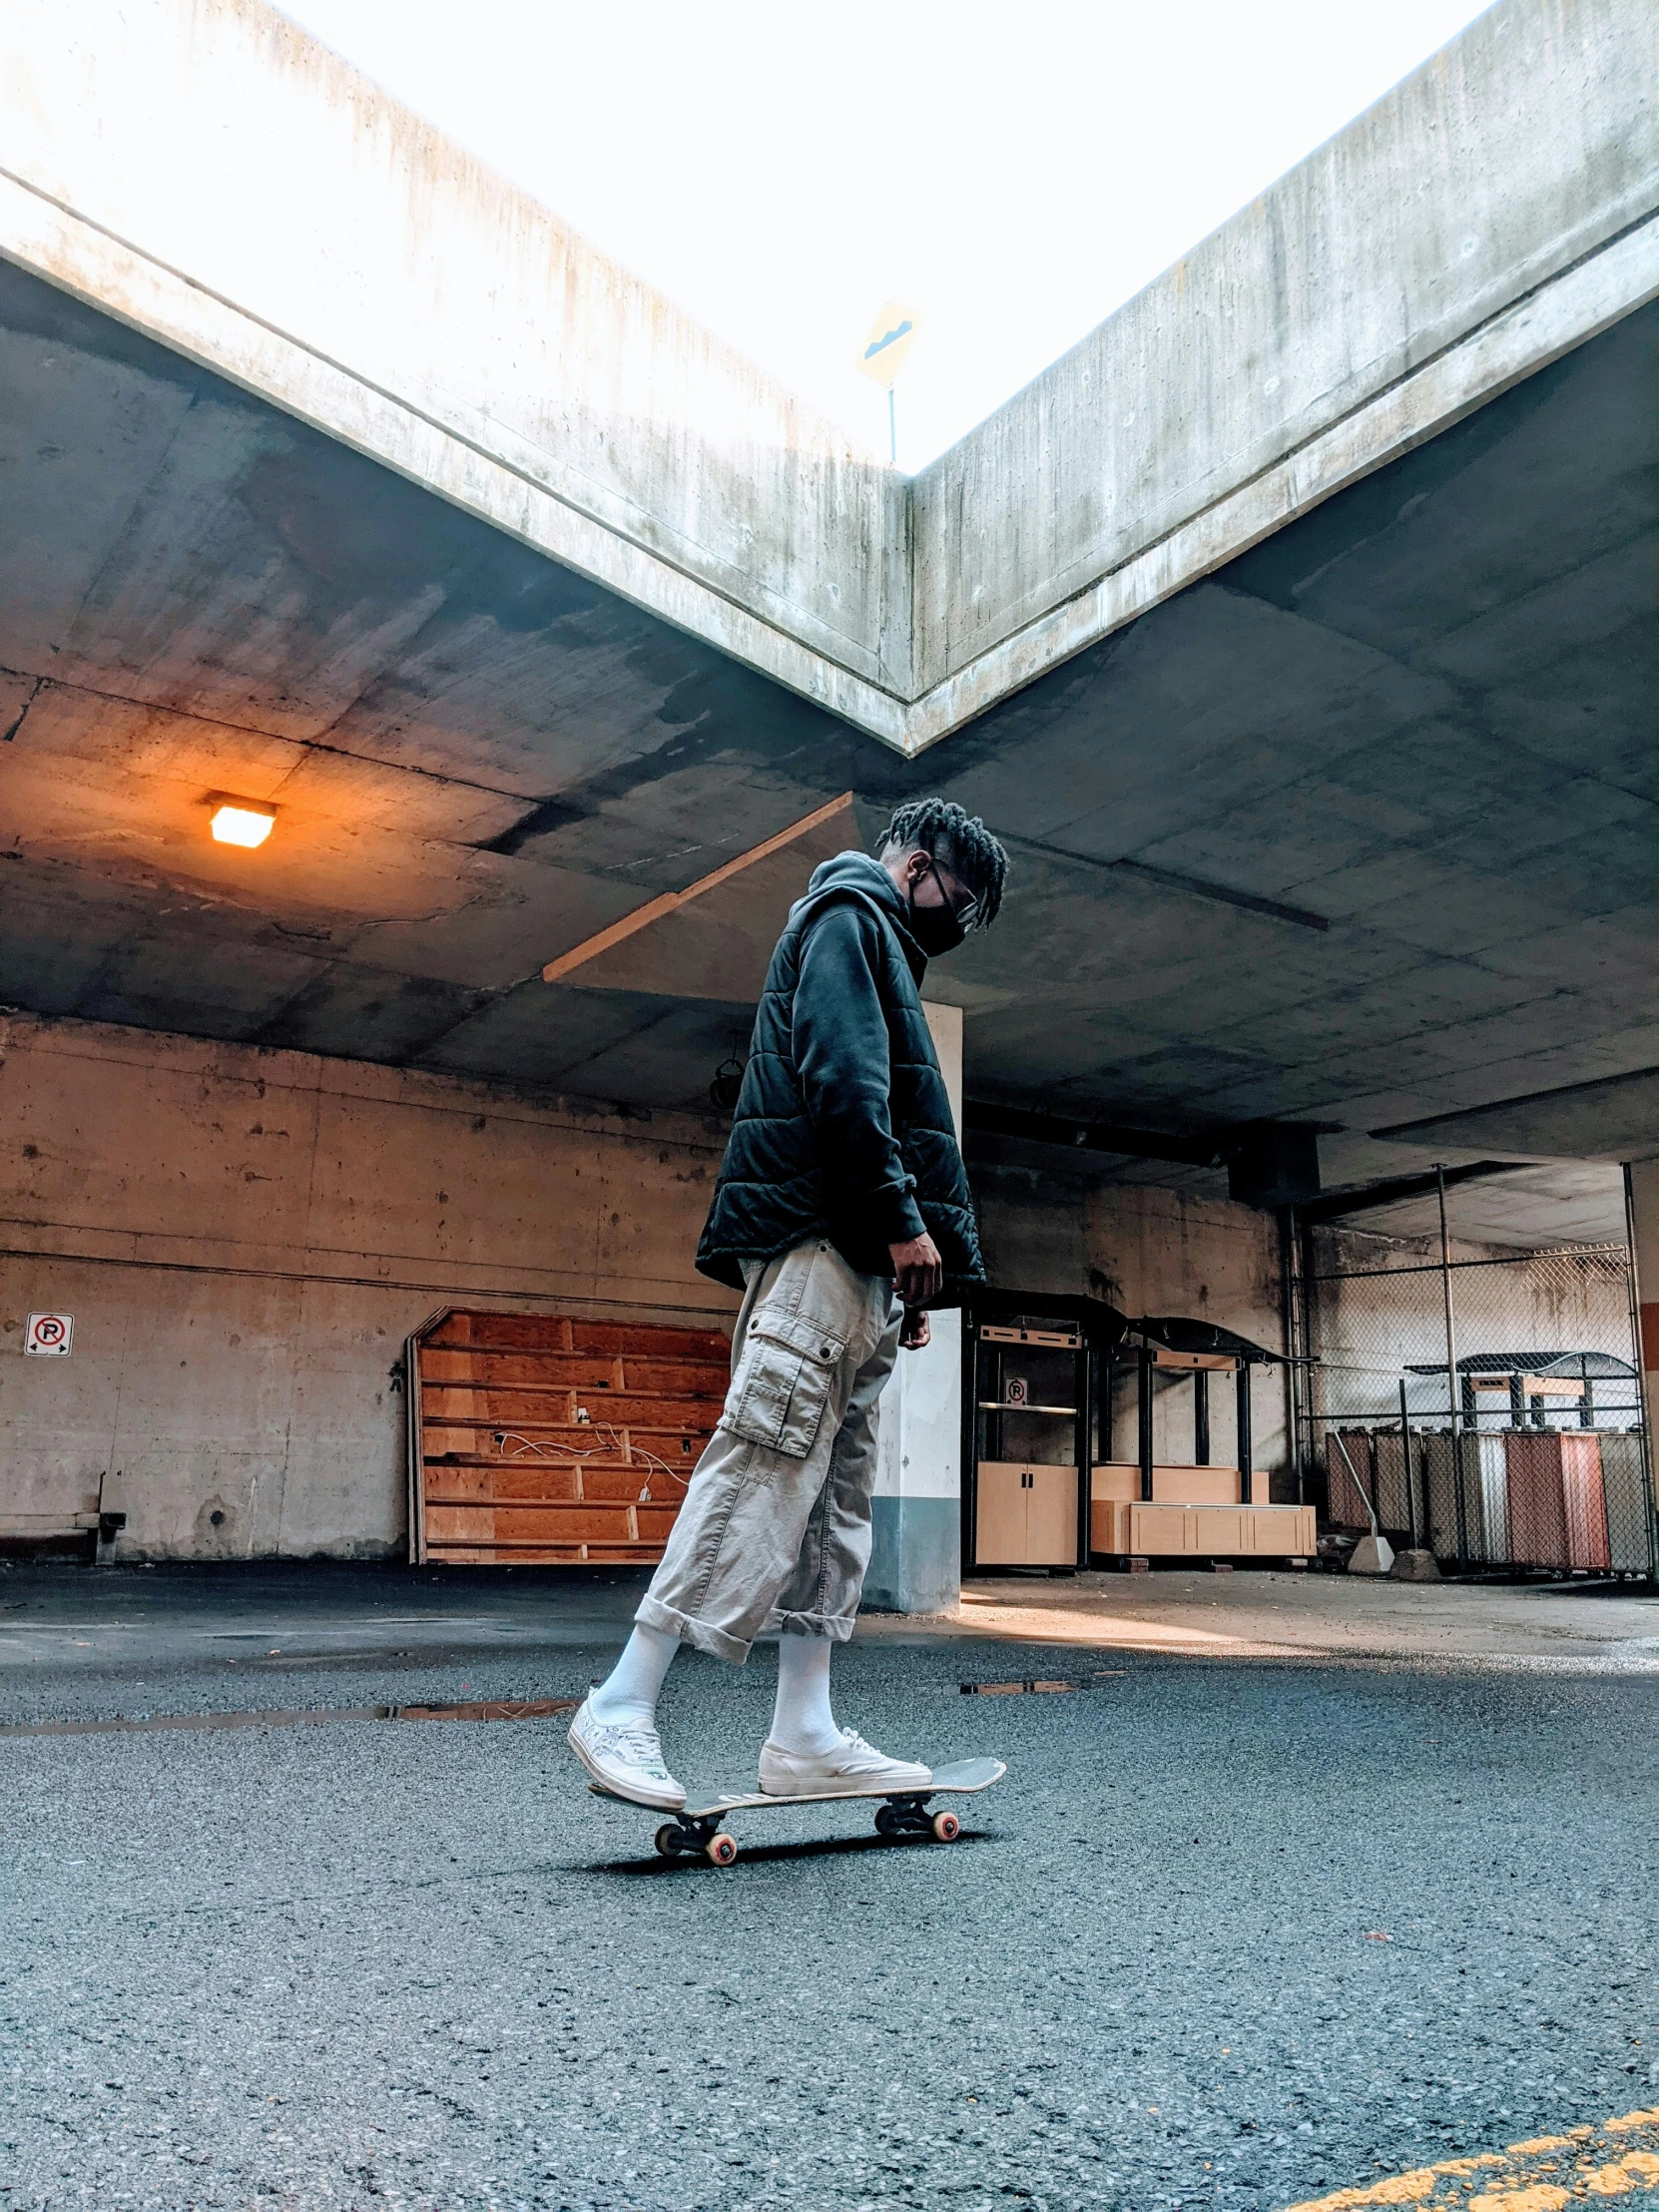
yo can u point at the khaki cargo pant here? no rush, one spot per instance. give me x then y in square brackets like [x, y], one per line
[775, 1532]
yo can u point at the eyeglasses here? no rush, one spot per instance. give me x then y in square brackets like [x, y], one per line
[967, 908]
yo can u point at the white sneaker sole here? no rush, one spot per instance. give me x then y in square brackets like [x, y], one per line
[660, 1801]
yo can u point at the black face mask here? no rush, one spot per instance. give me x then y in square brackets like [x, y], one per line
[935, 929]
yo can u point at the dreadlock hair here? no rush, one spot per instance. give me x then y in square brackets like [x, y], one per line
[961, 841]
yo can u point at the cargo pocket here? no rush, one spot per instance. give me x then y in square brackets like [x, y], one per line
[782, 1385]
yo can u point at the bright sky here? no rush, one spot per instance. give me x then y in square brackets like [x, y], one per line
[1010, 175]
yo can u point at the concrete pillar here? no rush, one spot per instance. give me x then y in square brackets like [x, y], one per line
[1643, 1186]
[916, 1564]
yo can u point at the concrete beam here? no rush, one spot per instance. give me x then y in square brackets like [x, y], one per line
[1495, 210]
[208, 173]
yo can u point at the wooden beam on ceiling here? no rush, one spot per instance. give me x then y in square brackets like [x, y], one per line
[669, 902]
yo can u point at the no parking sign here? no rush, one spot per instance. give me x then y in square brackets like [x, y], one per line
[49, 1335]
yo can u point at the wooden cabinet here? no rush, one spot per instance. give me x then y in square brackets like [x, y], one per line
[1027, 1515]
[1028, 1380]
[1172, 1531]
[1000, 1515]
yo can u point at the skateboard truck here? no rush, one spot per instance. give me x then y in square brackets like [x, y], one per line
[908, 1816]
[679, 1837]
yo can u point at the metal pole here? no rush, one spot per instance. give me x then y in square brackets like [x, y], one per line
[1452, 1367]
[1293, 1345]
[1635, 1291]
[1200, 1418]
[1247, 1472]
[1144, 1423]
[1083, 1384]
[1406, 1456]
[1354, 1475]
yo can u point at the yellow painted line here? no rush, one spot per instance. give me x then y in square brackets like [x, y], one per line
[1546, 2173]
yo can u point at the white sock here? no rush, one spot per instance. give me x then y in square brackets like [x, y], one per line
[801, 1720]
[629, 1691]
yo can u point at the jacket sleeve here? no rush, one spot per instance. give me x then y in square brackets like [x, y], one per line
[842, 1057]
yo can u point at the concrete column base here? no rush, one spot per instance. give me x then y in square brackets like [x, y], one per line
[917, 1564]
[917, 1555]
[1371, 1555]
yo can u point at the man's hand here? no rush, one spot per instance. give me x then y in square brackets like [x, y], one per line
[915, 1329]
[918, 1270]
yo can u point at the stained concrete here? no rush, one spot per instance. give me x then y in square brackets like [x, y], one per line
[247, 1238]
[1402, 274]
[400, 293]
[1357, 832]
[1492, 212]
[1418, 716]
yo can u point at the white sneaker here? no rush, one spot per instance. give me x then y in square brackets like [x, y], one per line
[853, 1765]
[625, 1758]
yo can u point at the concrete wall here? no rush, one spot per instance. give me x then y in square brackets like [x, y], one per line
[244, 1239]
[1494, 211]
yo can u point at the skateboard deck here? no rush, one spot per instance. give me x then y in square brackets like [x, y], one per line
[699, 1825]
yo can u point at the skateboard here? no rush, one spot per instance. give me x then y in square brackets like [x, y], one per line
[699, 1828]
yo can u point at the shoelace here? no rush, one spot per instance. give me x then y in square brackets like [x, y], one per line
[641, 1747]
[854, 1742]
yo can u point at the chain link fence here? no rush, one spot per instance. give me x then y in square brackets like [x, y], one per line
[1479, 1402]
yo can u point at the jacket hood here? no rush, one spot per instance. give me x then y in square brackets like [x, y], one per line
[857, 873]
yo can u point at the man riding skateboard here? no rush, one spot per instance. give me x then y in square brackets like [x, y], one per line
[842, 1213]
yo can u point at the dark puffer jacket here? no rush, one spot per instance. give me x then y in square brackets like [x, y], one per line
[843, 1127]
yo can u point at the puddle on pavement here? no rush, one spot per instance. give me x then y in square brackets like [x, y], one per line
[1013, 1689]
[1034, 1686]
[479, 1709]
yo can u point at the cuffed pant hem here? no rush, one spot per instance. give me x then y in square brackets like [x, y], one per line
[699, 1635]
[837, 1627]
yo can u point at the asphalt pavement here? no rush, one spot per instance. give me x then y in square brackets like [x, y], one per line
[1232, 1933]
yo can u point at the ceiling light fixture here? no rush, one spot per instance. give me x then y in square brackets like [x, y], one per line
[243, 822]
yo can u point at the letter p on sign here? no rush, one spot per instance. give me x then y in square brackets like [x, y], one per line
[49, 1335]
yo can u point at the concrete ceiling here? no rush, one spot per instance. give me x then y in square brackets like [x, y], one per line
[1362, 831]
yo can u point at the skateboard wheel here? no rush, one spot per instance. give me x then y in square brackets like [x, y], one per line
[722, 1849]
[668, 1839]
[946, 1827]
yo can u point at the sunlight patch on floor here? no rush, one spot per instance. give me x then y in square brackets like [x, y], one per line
[1053, 1624]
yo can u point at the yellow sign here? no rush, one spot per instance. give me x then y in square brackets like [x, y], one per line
[888, 343]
